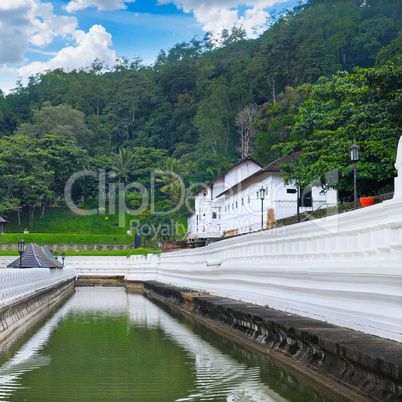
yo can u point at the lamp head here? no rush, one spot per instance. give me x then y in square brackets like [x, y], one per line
[21, 245]
[354, 153]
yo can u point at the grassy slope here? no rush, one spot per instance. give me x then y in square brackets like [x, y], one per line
[61, 226]
[63, 220]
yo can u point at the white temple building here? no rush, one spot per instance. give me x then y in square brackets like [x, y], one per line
[231, 203]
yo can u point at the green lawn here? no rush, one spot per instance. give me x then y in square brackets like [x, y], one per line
[63, 220]
[61, 226]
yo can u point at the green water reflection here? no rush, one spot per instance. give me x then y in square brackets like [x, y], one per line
[105, 344]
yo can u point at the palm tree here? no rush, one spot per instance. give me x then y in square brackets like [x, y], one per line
[125, 162]
[172, 178]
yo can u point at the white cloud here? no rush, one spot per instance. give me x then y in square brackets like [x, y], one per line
[75, 5]
[215, 15]
[24, 22]
[94, 44]
[50, 25]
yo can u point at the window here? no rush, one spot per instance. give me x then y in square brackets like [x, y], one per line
[258, 195]
[249, 199]
[236, 205]
[306, 199]
[213, 215]
[242, 201]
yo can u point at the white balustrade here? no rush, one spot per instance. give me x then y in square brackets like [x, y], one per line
[344, 269]
[18, 283]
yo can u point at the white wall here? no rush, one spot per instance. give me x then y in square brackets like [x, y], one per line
[240, 172]
[18, 283]
[344, 269]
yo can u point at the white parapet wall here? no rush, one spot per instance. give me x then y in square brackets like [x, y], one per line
[135, 267]
[18, 283]
[344, 269]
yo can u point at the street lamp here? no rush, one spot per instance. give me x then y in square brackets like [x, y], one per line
[262, 196]
[297, 195]
[56, 254]
[21, 245]
[354, 157]
[63, 256]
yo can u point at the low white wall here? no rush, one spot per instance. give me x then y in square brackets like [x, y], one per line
[18, 283]
[135, 267]
[344, 269]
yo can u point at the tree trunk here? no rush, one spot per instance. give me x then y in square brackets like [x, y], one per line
[30, 216]
[44, 202]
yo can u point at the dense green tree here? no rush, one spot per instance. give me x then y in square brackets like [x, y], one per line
[213, 118]
[275, 121]
[36, 170]
[392, 52]
[60, 120]
[362, 107]
[131, 97]
[146, 160]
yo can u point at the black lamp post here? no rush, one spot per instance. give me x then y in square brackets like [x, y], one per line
[262, 196]
[21, 245]
[298, 196]
[63, 256]
[354, 157]
[56, 254]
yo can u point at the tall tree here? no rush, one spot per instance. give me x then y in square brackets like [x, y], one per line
[362, 107]
[124, 164]
[60, 120]
[245, 124]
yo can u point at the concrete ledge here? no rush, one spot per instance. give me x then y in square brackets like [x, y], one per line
[353, 365]
[90, 280]
[20, 312]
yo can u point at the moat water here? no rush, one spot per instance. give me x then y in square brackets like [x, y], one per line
[106, 344]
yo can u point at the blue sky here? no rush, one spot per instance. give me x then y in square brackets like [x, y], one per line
[40, 35]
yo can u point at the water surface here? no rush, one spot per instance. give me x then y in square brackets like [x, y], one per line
[106, 344]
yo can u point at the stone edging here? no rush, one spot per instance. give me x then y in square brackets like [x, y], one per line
[20, 312]
[353, 365]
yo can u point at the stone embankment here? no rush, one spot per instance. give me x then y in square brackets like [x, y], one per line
[25, 293]
[352, 365]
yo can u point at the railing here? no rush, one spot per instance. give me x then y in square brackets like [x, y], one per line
[18, 283]
[344, 269]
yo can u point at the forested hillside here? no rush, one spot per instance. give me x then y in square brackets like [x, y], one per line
[200, 108]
